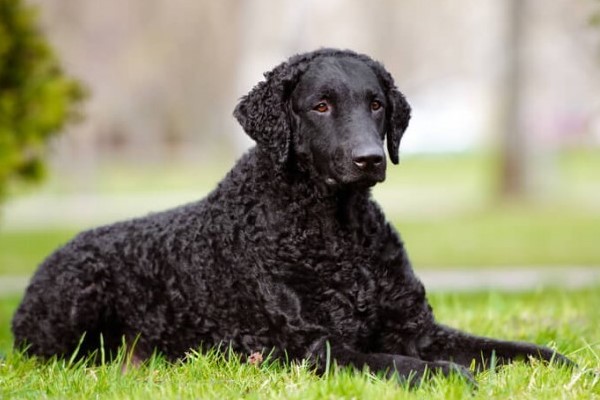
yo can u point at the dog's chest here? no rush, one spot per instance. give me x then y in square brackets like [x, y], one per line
[332, 284]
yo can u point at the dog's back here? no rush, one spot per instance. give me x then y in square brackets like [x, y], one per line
[170, 277]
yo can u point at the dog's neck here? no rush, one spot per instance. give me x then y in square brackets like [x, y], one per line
[297, 187]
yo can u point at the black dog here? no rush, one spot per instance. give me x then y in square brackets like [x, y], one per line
[289, 254]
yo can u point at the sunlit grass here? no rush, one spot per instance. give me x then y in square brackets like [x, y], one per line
[566, 320]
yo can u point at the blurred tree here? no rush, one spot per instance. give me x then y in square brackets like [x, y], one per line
[514, 157]
[36, 97]
[595, 18]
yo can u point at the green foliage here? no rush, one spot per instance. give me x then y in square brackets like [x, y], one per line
[36, 97]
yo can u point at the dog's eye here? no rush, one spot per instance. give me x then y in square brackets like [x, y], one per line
[321, 107]
[376, 105]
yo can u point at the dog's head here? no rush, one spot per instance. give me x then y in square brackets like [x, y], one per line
[330, 111]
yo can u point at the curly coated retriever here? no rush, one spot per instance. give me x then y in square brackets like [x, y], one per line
[289, 254]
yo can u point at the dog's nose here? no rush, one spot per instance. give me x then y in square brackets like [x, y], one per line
[368, 158]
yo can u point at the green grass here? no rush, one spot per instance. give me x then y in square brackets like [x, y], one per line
[567, 320]
[521, 236]
[444, 207]
[518, 236]
[22, 251]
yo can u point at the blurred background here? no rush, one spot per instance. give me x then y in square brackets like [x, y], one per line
[500, 166]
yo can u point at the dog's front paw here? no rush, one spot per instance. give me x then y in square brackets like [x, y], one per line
[553, 356]
[426, 370]
[447, 368]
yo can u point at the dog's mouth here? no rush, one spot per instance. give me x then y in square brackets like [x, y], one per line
[338, 171]
[353, 179]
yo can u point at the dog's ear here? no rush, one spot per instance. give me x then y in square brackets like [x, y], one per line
[397, 121]
[398, 111]
[263, 112]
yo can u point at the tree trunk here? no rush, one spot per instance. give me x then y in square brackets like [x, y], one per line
[513, 159]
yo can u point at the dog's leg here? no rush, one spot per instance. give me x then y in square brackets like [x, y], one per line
[132, 361]
[63, 307]
[405, 368]
[444, 343]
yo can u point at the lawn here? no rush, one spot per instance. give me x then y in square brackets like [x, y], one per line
[567, 320]
[507, 235]
[516, 236]
[444, 207]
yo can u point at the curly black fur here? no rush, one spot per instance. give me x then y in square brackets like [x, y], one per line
[272, 259]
